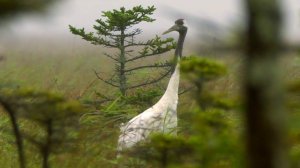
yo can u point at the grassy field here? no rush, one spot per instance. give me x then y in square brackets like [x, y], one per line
[68, 70]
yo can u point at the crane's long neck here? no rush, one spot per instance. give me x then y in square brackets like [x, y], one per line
[172, 89]
[178, 51]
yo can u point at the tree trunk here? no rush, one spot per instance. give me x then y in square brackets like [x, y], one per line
[17, 133]
[264, 100]
[122, 77]
[47, 148]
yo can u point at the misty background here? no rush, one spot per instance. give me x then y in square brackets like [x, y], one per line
[208, 21]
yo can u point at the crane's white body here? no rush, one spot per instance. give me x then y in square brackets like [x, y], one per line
[160, 118]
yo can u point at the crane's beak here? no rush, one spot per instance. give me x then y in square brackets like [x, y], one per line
[173, 28]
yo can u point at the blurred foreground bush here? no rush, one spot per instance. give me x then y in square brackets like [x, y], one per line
[54, 118]
[11, 7]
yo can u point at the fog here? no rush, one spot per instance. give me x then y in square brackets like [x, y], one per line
[212, 18]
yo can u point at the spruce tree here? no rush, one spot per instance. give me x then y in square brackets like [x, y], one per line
[116, 30]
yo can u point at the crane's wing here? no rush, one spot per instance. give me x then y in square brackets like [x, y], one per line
[141, 126]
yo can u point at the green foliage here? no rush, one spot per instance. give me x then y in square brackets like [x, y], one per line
[294, 87]
[200, 71]
[41, 106]
[212, 100]
[293, 106]
[216, 139]
[143, 97]
[165, 151]
[118, 20]
[118, 108]
[198, 68]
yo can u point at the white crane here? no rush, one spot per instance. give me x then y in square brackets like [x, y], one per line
[161, 117]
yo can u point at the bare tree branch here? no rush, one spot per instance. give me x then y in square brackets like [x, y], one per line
[137, 44]
[103, 96]
[142, 56]
[148, 66]
[111, 57]
[186, 90]
[151, 81]
[106, 81]
[86, 88]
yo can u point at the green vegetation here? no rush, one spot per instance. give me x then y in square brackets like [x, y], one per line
[53, 115]
[99, 126]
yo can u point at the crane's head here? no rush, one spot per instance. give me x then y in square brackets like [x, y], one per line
[179, 27]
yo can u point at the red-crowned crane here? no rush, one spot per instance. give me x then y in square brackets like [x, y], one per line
[161, 117]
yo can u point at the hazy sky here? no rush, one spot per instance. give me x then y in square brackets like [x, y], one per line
[82, 13]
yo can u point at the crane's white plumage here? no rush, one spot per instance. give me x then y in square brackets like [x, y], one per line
[161, 117]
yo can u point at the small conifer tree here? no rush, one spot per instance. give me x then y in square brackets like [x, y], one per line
[56, 119]
[115, 30]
